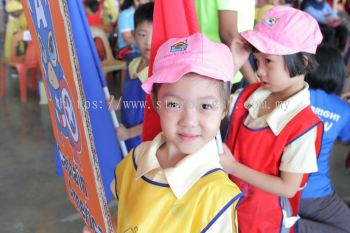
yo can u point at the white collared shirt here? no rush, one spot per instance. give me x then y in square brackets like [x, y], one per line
[298, 156]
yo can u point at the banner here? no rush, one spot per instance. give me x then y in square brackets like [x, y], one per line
[82, 126]
[171, 19]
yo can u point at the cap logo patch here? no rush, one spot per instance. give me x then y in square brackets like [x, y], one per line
[180, 46]
[271, 20]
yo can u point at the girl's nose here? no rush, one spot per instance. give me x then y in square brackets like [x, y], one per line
[260, 72]
[189, 117]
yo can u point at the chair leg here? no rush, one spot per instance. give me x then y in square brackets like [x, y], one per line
[33, 78]
[3, 79]
[22, 82]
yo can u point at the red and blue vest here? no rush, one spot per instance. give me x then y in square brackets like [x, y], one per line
[261, 150]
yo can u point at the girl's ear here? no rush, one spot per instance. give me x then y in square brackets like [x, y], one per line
[155, 103]
[226, 106]
[305, 61]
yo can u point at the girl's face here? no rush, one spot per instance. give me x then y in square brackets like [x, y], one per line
[190, 112]
[273, 74]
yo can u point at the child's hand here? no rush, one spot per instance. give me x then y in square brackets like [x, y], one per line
[113, 104]
[122, 133]
[86, 230]
[227, 160]
[240, 51]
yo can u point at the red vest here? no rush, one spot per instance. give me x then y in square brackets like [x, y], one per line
[261, 150]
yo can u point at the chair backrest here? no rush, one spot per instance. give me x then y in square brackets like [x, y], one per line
[99, 33]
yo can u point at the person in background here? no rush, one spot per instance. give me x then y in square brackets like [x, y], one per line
[93, 11]
[133, 96]
[321, 209]
[222, 20]
[16, 25]
[334, 31]
[260, 11]
[125, 38]
[110, 12]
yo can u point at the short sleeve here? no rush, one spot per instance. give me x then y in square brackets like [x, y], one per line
[126, 21]
[224, 223]
[232, 5]
[344, 135]
[300, 155]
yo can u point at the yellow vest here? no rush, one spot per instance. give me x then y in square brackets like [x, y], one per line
[146, 206]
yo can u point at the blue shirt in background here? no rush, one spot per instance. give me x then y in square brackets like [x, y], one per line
[335, 115]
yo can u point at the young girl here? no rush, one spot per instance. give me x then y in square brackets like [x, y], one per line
[321, 209]
[175, 182]
[274, 136]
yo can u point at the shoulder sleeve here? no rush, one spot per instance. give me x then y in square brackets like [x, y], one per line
[344, 135]
[224, 223]
[124, 22]
[226, 220]
[120, 170]
[299, 156]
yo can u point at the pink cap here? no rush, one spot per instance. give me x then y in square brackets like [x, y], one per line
[285, 30]
[195, 53]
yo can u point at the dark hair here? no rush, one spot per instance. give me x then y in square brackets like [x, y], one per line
[298, 63]
[93, 5]
[144, 13]
[126, 4]
[329, 76]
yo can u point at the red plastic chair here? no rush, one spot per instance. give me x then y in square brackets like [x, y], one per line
[21, 64]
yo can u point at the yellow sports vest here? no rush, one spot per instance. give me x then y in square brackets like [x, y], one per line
[146, 206]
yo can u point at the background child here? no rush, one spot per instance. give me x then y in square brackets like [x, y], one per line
[331, 25]
[16, 24]
[175, 181]
[273, 130]
[133, 97]
[125, 38]
[321, 209]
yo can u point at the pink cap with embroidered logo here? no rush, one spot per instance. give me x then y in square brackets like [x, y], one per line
[195, 53]
[285, 30]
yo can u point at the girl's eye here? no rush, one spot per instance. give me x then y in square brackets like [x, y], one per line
[141, 34]
[172, 105]
[268, 60]
[207, 106]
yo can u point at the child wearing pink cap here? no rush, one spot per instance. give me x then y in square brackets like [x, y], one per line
[274, 136]
[175, 183]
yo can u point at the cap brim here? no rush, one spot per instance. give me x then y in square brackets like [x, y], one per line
[266, 44]
[173, 74]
